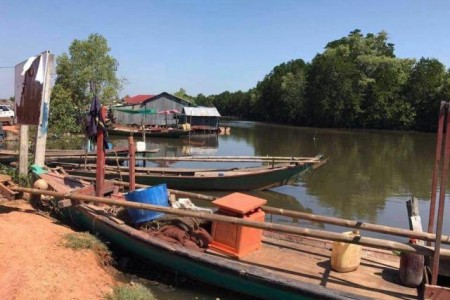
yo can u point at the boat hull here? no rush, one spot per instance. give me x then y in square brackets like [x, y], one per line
[273, 177]
[211, 269]
[175, 133]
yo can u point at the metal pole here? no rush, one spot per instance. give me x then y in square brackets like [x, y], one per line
[444, 178]
[434, 182]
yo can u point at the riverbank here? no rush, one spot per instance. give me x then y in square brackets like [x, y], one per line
[35, 265]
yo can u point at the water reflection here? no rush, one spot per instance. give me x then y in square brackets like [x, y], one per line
[365, 168]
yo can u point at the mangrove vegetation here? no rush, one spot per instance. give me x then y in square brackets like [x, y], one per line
[356, 82]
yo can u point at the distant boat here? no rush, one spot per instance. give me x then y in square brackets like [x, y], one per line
[76, 156]
[149, 132]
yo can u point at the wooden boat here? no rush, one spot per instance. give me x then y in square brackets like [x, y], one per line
[73, 156]
[149, 132]
[285, 267]
[236, 179]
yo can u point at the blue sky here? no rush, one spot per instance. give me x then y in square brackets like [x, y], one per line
[211, 46]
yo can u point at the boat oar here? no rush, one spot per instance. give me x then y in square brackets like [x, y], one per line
[365, 241]
[310, 217]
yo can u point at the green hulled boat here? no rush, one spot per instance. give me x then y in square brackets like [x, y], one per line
[237, 179]
[284, 267]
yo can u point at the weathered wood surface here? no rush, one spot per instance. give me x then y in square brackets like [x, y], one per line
[308, 260]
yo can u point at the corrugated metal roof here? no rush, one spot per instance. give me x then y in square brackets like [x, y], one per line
[201, 111]
[138, 99]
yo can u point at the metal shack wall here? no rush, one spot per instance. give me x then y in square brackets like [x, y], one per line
[159, 104]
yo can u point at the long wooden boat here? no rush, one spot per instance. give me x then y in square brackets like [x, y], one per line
[149, 132]
[74, 156]
[237, 179]
[285, 266]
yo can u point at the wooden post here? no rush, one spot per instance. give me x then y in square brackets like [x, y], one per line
[41, 132]
[440, 217]
[100, 176]
[132, 163]
[415, 223]
[23, 150]
[437, 162]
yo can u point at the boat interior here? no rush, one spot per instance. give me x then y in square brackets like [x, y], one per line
[285, 256]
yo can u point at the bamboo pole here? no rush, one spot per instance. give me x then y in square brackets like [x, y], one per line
[234, 159]
[196, 159]
[310, 217]
[365, 241]
[149, 170]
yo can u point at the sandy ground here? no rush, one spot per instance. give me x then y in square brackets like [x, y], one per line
[33, 264]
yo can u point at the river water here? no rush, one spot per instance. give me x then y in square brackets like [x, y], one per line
[369, 175]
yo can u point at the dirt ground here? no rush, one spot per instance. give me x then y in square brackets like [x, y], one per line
[33, 264]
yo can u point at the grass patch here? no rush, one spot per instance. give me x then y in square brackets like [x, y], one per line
[20, 179]
[85, 240]
[131, 292]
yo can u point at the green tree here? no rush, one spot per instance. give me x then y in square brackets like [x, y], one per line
[280, 95]
[426, 88]
[89, 69]
[383, 104]
[335, 89]
[203, 100]
[64, 116]
[183, 95]
[357, 82]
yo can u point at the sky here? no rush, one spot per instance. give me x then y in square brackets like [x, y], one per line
[212, 46]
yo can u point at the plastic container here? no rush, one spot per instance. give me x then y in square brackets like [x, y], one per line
[140, 146]
[346, 257]
[411, 268]
[156, 195]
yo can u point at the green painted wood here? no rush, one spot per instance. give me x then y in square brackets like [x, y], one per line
[239, 182]
[233, 275]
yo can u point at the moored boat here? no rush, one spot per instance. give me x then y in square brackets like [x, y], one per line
[75, 156]
[284, 267]
[123, 130]
[236, 179]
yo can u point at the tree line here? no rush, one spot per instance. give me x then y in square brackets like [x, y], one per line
[356, 82]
